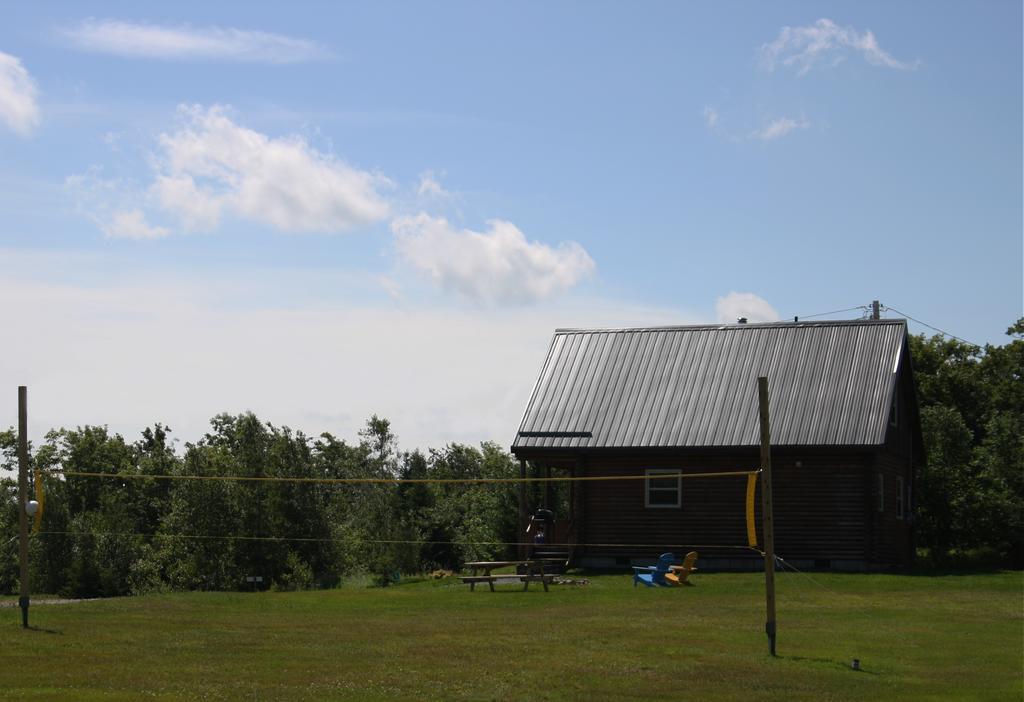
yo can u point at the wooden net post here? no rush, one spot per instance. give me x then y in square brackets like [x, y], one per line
[768, 525]
[23, 574]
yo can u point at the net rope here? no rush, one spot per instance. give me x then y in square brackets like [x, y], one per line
[421, 542]
[751, 475]
[394, 481]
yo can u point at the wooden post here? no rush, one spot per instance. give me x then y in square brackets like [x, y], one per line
[23, 598]
[547, 486]
[522, 508]
[768, 525]
[579, 512]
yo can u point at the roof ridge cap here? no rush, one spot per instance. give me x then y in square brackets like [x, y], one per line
[735, 325]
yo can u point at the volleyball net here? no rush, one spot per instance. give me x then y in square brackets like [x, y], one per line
[124, 478]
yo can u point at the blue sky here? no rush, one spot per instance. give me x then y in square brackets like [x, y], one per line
[319, 211]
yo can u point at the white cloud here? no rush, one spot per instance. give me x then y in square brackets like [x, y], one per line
[498, 265]
[132, 224]
[392, 287]
[430, 186]
[184, 42]
[128, 350]
[18, 96]
[112, 205]
[711, 116]
[730, 308]
[825, 43]
[196, 208]
[778, 128]
[212, 166]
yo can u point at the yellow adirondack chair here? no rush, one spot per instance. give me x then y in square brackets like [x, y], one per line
[680, 574]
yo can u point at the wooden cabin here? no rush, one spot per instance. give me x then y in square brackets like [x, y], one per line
[646, 402]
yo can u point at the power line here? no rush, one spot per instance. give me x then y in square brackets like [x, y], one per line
[893, 309]
[824, 314]
[944, 333]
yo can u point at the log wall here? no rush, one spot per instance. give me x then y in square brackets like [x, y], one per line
[825, 505]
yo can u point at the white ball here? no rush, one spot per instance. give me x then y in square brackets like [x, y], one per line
[31, 507]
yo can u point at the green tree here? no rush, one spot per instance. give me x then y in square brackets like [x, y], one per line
[9, 512]
[971, 492]
[148, 520]
[197, 537]
[469, 521]
[94, 554]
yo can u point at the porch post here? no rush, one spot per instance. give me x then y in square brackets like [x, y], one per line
[579, 493]
[547, 486]
[521, 548]
[571, 517]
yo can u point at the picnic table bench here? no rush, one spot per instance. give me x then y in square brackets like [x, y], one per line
[534, 572]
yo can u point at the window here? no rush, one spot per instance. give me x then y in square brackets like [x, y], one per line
[663, 487]
[899, 497]
[881, 492]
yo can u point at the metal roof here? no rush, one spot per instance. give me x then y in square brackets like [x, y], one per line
[829, 384]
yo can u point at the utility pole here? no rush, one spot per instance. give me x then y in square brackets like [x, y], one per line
[768, 524]
[23, 502]
[874, 310]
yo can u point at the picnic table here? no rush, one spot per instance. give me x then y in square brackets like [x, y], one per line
[533, 572]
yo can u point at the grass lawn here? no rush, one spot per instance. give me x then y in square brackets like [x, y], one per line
[918, 637]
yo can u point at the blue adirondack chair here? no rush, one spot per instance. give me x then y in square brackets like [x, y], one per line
[655, 574]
